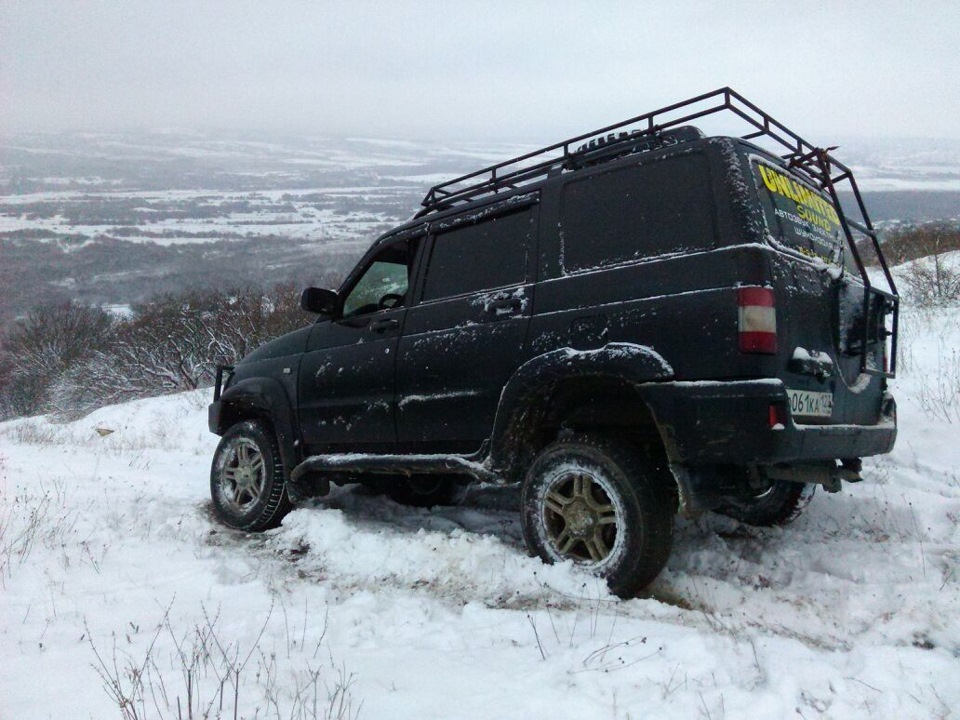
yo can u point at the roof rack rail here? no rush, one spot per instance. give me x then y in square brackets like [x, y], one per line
[641, 133]
[513, 173]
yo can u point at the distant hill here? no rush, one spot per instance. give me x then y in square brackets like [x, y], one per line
[897, 206]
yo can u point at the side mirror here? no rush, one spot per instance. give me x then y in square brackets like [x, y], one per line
[320, 301]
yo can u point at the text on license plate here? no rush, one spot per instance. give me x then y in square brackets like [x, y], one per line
[810, 404]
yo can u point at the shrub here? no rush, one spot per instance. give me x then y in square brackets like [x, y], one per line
[41, 347]
[932, 281]
[73, 359]
[175, 342]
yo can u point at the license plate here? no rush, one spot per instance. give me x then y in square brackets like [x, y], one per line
[810, 404]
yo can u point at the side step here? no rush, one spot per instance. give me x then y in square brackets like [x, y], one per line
[362, 463]
[311, 479]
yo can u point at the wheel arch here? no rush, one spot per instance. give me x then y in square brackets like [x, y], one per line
[262, 399]
[568, 389]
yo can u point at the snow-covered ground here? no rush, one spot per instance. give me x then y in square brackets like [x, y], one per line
[116, 581]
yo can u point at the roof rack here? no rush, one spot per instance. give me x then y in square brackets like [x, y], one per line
[648, 131]
[511, 174]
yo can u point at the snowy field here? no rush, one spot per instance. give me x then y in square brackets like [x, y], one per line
[176, 188]
[293, 214]
[122, 598]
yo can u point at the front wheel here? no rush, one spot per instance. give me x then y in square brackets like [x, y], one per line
[246, 479]
[598, 502]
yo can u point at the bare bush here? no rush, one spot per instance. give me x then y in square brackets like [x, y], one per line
[197, 674]
[919, 241]
[933, 282]
[939, 393]
[55, 362]
[41, 347]
[30, 517]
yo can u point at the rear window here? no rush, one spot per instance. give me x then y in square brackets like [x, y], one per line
[798, 216]
[637, 212]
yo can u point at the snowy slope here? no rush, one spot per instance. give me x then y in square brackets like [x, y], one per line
[359, 607]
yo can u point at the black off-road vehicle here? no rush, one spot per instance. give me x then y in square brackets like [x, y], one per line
[631, 323]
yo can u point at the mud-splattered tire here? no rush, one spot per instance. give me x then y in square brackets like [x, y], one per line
[426, 490]
[246, 478]
[600, 503]
[780, 504]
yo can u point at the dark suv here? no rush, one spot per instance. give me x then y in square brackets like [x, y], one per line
[632, 323]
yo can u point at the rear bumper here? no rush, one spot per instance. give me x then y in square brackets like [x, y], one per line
[704, 423]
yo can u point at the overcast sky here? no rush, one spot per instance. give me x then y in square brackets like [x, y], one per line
[530, 71]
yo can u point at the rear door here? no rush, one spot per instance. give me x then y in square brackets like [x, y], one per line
[466, 336]
[820, 305]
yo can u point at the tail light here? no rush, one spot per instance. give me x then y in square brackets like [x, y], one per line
[777, 415]
[758, 320]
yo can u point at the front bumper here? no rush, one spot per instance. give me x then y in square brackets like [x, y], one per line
[214, 409]
[213, 417]
[709, 423]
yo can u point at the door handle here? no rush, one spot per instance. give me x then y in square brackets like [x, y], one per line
[504, 308]
[382, 326]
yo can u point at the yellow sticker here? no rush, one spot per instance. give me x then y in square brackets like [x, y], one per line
[810, 205]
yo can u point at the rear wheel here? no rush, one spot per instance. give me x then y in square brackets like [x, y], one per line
[598, 502]
[779, 504]
[246, 479]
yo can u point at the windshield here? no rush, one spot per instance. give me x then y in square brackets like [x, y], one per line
[799, 217]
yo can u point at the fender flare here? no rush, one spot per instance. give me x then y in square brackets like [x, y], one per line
[263, 397]
[632, 363]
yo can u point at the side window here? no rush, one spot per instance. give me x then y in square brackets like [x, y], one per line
[637, 212]
[384, 283]
[487, 254]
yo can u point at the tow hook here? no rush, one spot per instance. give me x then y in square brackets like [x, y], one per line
[850, 469]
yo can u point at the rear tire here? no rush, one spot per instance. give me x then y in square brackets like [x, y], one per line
[246, 479]
[780, 504]
[598, 502]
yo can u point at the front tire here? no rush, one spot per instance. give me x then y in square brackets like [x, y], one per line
[246, 478]
[598, 502]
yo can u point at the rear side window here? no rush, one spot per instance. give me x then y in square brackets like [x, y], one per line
[637, 212]
[797, 216]
[487, 254]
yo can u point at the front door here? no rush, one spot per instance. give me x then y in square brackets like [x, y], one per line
[348, 374]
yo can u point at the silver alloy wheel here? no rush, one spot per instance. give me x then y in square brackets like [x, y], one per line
[601, 503]
[580, 518]
[242, 475]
